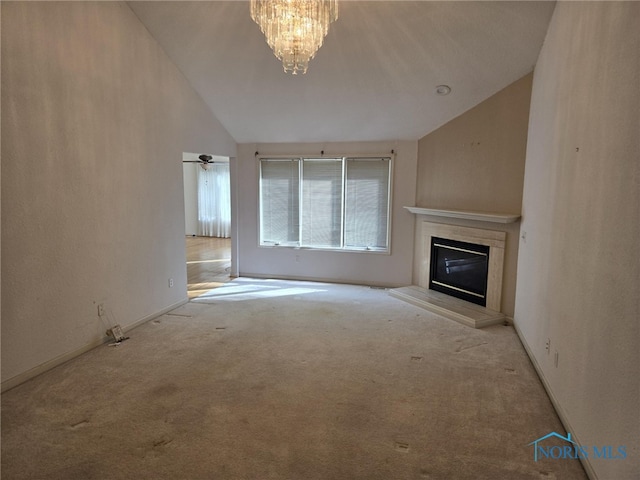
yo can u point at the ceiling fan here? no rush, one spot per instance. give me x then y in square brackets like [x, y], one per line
[203, 159]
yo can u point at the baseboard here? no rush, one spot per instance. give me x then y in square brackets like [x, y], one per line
[59, 360]
[556, 405]
[143, 320]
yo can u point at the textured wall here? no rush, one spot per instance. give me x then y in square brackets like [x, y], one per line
[476, 162]
[349, 267]
[579, 268]
[94, 122]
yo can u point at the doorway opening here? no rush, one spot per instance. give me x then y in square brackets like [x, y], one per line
[208, 264]
[207, 202]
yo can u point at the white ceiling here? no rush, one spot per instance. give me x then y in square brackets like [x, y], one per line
[373, 79]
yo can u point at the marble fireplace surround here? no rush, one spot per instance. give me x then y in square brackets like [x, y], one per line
[451, 307]
[495, 240]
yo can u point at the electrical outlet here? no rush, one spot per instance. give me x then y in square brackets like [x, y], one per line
[171, 283]
[101, 311]
[547, 346]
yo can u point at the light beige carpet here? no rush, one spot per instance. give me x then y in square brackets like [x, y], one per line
[268, 379]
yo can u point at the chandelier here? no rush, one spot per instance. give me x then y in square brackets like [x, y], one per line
[294, 29]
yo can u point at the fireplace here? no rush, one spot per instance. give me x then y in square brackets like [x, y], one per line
[491, 242]
[459, 269]
[452, 266]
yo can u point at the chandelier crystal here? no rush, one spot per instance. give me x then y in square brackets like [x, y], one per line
[294, 29]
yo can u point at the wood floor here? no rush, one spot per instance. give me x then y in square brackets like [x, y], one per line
[208, 264]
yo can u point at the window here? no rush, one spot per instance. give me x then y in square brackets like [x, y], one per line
[279, 191]
[331, 203]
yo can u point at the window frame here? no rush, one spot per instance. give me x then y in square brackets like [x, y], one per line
[343, 159]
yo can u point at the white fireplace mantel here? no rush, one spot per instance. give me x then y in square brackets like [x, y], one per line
[466, 214]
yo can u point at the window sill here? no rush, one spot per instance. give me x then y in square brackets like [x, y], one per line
[329, 249]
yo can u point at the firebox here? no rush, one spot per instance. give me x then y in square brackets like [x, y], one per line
[459, 269]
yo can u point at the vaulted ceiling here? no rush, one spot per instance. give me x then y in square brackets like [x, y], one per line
[373, 79]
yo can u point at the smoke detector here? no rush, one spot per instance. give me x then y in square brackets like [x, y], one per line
[443, 90]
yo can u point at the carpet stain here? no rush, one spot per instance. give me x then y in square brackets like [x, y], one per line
[164, 390]
[416, 359]
[80, 424]
[462, 348]
[402, 447]
[162, 442]
[510, 370]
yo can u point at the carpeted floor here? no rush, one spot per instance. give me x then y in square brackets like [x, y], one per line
[263, 379]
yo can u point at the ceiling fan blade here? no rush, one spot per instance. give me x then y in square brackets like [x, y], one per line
[203, 159]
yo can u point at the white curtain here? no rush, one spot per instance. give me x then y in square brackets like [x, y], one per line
[214, 201]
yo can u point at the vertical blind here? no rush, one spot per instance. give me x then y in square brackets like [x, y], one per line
[325, 202]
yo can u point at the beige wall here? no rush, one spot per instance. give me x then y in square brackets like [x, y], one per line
[347, 267]
[476, 162]
[579, 268]
[94, 122]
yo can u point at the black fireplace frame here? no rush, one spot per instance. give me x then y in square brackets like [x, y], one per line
[480, 258]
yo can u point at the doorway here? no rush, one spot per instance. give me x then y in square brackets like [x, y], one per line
[208, 264]
[207, 222]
